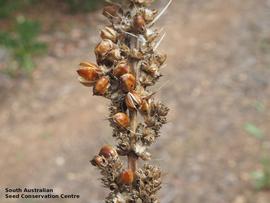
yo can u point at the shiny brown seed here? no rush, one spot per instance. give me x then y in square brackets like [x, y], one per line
[139, 22]
[109, 33]
[121, 119]
[102, 85]
[121, 68]
[88, 71]
[133, 100]
[126, 177]
[128, 81]
[108, 152]
[98, 161]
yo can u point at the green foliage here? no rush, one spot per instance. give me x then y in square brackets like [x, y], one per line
[262, 177]
[23, 43]
[253, 130]
[83, 5]
[7, 7]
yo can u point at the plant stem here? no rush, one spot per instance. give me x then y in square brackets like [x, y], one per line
[132, 158]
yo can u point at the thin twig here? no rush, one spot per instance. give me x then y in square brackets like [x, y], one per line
[161, 13]
[159, 41]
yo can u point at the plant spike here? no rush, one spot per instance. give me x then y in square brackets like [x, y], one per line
[127, 65]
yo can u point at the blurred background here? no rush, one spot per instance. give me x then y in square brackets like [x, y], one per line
[216, 146]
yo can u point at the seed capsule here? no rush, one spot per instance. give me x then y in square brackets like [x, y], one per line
[121, 119]
[152, 70]
[109, 33]
[145, 107]
[121, 68]
[104, 47]
[133, 100]
[161, 58]
[111, 11]
[114, 55]
[142, 1]
[151, 35]
[108, 152]
[139, 22]
[149, 14]
[88, 73]
[128, 82]
[101, 86]
[126, 177]
[98, 161]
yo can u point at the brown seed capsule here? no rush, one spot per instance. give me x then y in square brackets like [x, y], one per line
[88, 72]
[109, 33]
[133, 100]
[152, 70]
[128, 82]
[121, 119]
[139, 22]
[108, 152]
[121, 68]
[104, 47]
[102, 85]
[126, 177]
[111, 11]
[99, 161]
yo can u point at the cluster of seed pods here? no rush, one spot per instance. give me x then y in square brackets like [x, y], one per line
[127, 65]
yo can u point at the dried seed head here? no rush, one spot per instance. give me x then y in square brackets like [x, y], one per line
[128, 82]
[108, 151]
[121, 68]
[109, 33]
[101, 86]
[99, 161]
[111, 11]
[104, 47]
[139, 23]
[126, 177]
[133, 100]
[121, 119]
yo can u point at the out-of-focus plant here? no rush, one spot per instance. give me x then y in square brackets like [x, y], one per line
[7, 7]
[253, 130]
[23, 43]
[261, 177]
